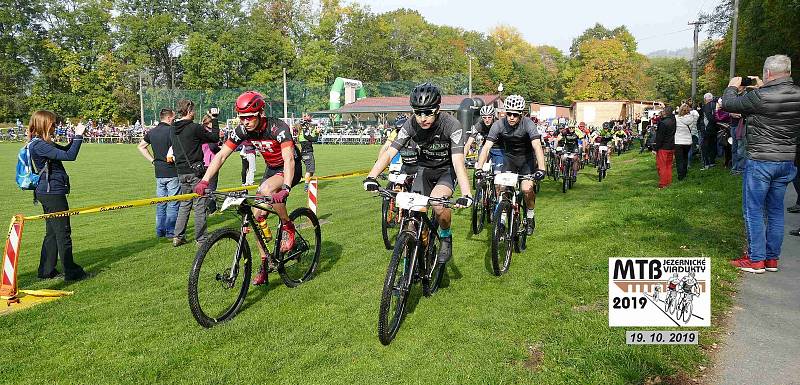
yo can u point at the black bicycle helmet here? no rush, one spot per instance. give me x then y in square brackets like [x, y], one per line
[425, 95]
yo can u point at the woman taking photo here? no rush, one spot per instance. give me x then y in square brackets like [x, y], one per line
[52, 192]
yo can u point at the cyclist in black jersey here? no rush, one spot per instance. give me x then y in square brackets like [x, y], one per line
[568, 138]
[522, 148]
[482, 128]
[440, 158]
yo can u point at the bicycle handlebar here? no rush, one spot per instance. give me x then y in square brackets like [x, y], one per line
[258, 199]
[444, 202]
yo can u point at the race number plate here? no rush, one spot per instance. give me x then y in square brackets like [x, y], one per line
[398, 178]
[231, 201]
[412, 201]
[603, 148]
[506, 179]
[395, 167]
[487, 166]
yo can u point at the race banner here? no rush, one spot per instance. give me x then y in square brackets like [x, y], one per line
[659, 292]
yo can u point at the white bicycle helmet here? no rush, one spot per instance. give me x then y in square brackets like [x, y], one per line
[487, 110]
[514, 103]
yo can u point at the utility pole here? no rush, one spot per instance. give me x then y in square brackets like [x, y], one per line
[697, 25]
[285, 101]
[733, 39]
[141, 101]
[470, 76]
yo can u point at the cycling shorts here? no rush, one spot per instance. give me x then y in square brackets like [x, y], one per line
[519, 165]
[272, 171]
[427, 178]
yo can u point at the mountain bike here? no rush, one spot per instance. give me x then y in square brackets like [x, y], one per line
[485, 197]
[510, 221]
[556, 157]
[414, 259]
[568, 173]
[602, 162]
[683, 310]
[220, 275]
[390, 214]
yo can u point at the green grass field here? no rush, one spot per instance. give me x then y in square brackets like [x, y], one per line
[544, 322]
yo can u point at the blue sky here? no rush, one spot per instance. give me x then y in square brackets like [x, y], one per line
[655, 25]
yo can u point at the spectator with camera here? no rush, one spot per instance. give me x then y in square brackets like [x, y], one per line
[773, 123]
[52, 191]
[187, 146]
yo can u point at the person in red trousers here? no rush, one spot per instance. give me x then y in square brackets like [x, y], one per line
[664, 147]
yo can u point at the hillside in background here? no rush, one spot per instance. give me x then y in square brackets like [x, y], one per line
[685, 53]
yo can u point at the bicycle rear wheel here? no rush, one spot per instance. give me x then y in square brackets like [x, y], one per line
[389, 223]
[299, 264]
[502, 239]
[219, 278]
[435, 270]
[396, 288]
[522, 234]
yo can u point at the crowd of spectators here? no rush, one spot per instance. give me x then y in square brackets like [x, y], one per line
[754, 128]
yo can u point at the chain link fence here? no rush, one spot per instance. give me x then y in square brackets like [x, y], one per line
[301, 97]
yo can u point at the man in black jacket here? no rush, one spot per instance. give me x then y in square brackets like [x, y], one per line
[772, 110]
[187, 145]
[707, 125]
[664, 147]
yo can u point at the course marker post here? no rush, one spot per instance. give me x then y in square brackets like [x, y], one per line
[312, 195]
[8, 281]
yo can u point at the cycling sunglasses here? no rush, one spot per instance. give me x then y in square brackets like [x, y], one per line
[424, 113]
[513, 114]
[246, 118]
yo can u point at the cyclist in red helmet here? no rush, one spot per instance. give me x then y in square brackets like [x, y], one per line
[273, 139]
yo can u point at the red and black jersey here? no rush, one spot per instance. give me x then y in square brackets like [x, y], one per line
[269, 141]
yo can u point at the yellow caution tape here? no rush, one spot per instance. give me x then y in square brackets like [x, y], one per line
[153, 201]
[128, 204]
[344, 175]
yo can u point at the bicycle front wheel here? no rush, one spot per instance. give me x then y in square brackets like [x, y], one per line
[389, 223]
[396, 288]
[478, 213]
[299, 264]
[502, 239]
[220, 277]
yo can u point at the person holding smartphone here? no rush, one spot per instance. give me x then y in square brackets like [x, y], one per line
[187, 146]
[52, 192]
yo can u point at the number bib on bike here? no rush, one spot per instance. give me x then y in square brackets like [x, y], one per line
[412, 201]
[397, 178]
[506, 179]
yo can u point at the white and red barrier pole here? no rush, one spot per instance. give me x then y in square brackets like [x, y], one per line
[8, 281]
[312, 195]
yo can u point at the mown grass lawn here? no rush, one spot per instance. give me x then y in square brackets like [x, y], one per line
[544, 322]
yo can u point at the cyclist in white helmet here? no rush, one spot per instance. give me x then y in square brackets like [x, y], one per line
[521, 143]
[482, 127]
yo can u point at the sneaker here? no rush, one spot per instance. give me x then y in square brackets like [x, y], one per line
[287, 237]
[261, 277]
[749, 266]
[177, 241]
[794, 209]
[446, 251]
[771, 265]
[530, 225]
[795, 232]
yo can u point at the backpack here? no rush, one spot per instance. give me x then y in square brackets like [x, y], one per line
[27, 176]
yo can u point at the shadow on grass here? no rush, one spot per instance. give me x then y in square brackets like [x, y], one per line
[95, 261]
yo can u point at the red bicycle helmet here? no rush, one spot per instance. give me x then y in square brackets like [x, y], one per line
[250, 102]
